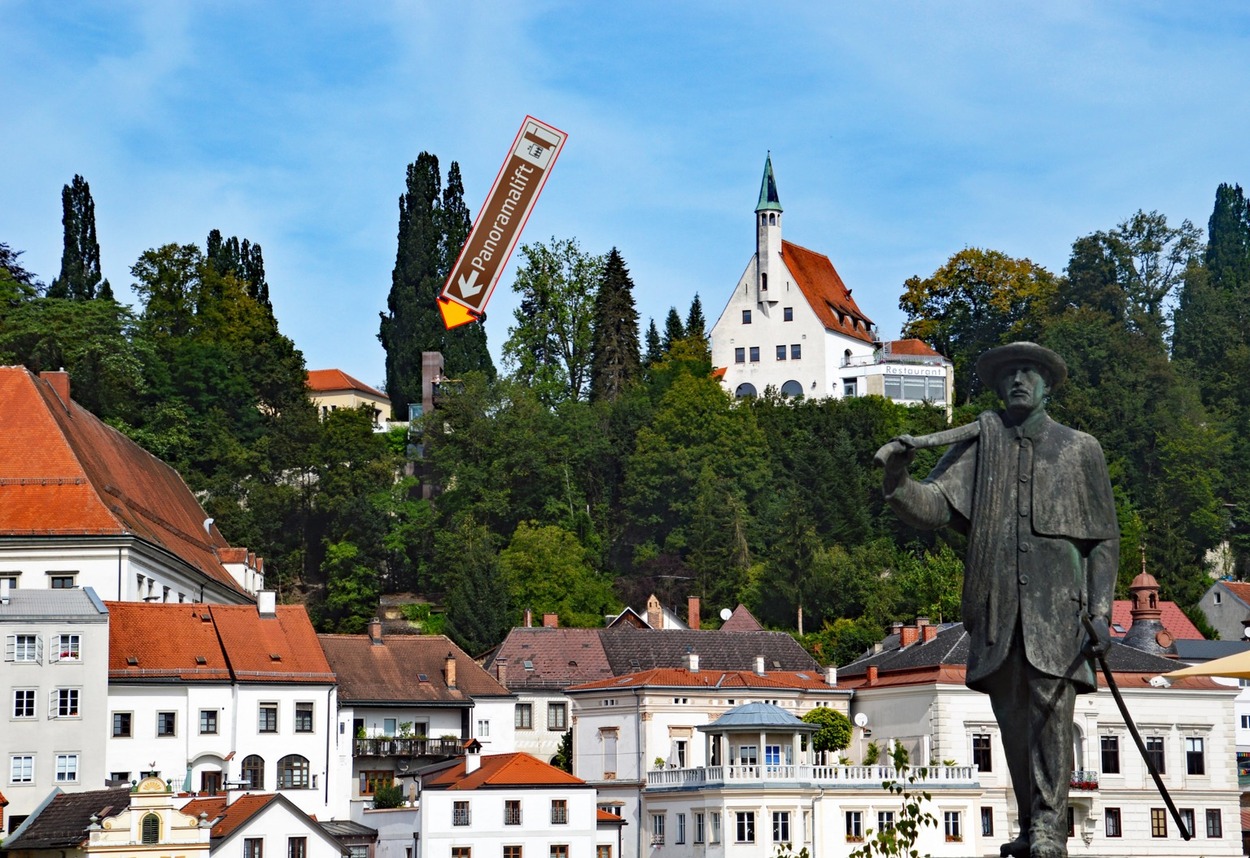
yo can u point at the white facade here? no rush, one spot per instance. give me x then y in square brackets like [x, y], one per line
[277, 829]
[1192, 727]
[626, 733]
[54, 685]
[119, 568]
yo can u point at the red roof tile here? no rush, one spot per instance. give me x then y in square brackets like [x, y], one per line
[64, 472]
[547, 657]
[1174, 619]
[497, 770]
[918, 348]
[602, 815]
[233, 641]
[741, 620]
[1238, 589]
[680, 677]
[825, 292]
[328, 380]
[228, 817]
[392, 671]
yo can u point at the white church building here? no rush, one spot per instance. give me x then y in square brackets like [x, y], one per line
[792, 325]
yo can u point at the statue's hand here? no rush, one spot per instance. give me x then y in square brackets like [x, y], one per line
[1099, 637]
[896, 457]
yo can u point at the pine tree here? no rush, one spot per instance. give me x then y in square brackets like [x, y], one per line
[80, 277]
[696, 325]
[431, 231]
[615, 361]
[673, 329]
[655, 348]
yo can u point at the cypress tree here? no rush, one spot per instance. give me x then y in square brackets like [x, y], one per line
[615, 359]
[80, 277]
[432, 228]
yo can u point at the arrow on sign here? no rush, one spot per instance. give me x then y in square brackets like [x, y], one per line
[454, 315]
[469, 287]
[499, 223]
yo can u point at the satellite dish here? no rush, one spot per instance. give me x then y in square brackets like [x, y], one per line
[861, 720]
[1245, 632]
[725, 613]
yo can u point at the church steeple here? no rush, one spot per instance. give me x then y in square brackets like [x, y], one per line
[768, 236]
[769, 201]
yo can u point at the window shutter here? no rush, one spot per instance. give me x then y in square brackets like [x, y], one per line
[55, 654]
[53, 703]
[10, 647]
[39, 648]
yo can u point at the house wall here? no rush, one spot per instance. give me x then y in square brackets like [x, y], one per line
[486, 834]
[538, 741]
[1224, 612]
[47, 735]
[275, 825]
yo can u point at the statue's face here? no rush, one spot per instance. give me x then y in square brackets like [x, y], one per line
[1022, 388]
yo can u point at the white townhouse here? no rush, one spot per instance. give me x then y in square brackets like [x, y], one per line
[81, 505]
[912, 691]
[406, 701]
[223, 699]
[54, 684]
[256, 825]
[630, 733]
[511, 806]
[791, 325]
[762, 789]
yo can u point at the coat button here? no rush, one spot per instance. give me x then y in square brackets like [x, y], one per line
[1024, 579]
[1024, 547]
[1024, 478]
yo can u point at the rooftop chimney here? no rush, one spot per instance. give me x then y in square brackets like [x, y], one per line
[655, 616]
[928, 633]
[551, 621]
[831, 675]
[529, 618]
[472, 758]
[59, 380]
[451, 670]
[872, 675]
[267, 603]
[908, 635]
[375, 631]
[692, 612]
[692, 661]
[501, 670]
[759, 665]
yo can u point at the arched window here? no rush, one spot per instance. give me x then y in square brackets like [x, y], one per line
[151, 829]
[772, 219]
[791, 388]
[293, 772]
[745, 389]
[254, 772]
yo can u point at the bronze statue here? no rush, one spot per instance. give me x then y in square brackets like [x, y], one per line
[1035, 501]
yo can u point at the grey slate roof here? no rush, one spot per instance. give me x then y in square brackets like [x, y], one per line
[34, 605]
[951, 647]
[762, 715]
[1192, 652]
[340, 828]
[62, 822]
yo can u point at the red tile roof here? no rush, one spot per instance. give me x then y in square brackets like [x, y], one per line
[391, 672]
[234, 642]
[913, 347]
[64, 472]
[227, 818]
[680, 677]
[328, 380]
[546, 657]
[741, 620]
[825, 292]
[1174, 619]
[1238, 589]
[501, 770]
[602, 815]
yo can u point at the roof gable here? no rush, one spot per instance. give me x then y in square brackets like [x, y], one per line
[825, 292]
[331, 380]
[61, 821]
[546, 657]
[65, 472]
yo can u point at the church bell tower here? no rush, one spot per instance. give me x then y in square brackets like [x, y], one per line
[768, 269]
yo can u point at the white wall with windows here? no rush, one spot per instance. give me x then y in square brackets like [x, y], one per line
[54, 687]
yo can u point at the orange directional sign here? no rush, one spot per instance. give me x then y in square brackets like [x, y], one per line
[499, 223]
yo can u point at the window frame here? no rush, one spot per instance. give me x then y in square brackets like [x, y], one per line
[681, 829]
[853, 820]
[1195, 756]
[781, 827]
[523, 716]
[370, 779]
[796, 351]
[953, 825]
[740, 354]
[983, 751]
[1156, 752]
[1109, 752]
[1158, 822]
[1214, 815]
[297, 847]
[28, 709]
[559, 811]
[68, 703]
[294, 772]
[21, 768]
[787, 314]
[67, 648]
[305, 717]
[755, 354]
[461, 814]
[253, 847]
[66, 769]
[744, 826]
[128, 732]
[209, 722]
[559, 723]
[781, 352]
[700, 827]
[252, 771]
[24, 648]
[746, 317]
[267, 717]
[1112, 822]
[166, 724]
[512, 811]
[657, 828]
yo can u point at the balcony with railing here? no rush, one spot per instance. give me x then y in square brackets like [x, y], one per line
[1084, 780]
[927, 777]
[391, 746]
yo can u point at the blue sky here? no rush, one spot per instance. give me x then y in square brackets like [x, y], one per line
[900, 133]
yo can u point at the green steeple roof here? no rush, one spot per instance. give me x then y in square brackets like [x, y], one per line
[769, 201]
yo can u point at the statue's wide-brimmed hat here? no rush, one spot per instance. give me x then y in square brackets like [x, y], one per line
[991, 364]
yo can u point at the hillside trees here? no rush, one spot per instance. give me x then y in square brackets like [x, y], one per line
[433, 225]
[616, 361]
[80, 277]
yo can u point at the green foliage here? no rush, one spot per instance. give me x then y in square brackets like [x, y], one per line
[547, 570]
[615, 361]
[352, 590]
[80, 278]
[913, 815]
[388, 796]
[835, 729]
[551, 346]
[564, 755]
[432, 230]
[422, 616]
[478, 609]
[872, 754]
